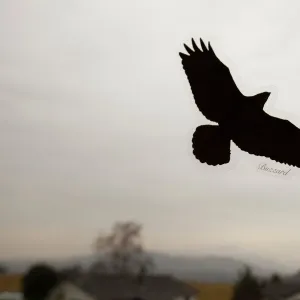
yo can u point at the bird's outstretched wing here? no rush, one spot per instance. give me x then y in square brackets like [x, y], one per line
[212, 85]
[271, 137]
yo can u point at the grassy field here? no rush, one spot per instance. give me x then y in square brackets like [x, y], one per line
[209, 291]
[11, 283]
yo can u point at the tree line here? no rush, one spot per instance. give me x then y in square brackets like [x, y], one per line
[121, 251]
[248, 286]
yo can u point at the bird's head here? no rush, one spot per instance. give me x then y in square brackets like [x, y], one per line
[265, 95]
[262, 98]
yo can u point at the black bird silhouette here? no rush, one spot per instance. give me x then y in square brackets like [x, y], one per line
[240, 118]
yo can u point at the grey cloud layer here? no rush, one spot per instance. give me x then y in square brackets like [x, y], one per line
[88, 135]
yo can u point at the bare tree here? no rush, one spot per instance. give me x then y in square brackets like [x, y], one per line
[275, 278]
[70, 271]
[3, 269]
[122, 250]
[99, 267]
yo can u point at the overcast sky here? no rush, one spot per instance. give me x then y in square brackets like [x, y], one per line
[96, 120]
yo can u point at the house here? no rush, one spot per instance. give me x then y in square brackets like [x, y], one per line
[285, 290]
[68, 291]
[118, 287]
[10, 296]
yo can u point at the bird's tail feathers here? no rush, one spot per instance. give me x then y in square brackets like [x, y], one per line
[211, 145]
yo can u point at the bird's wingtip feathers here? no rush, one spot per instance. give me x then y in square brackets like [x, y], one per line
[182, 55]
[189, 50]
[195, 45]
[196, 49]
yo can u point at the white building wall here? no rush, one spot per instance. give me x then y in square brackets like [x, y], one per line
[10, 296]
[68, 291]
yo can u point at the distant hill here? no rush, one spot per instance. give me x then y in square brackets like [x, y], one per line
[202, 268]
[210, 268]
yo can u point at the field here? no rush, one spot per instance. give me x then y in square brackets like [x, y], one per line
[213, 291]
[10, 283]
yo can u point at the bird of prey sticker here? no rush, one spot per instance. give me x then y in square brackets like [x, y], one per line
[239, 118]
